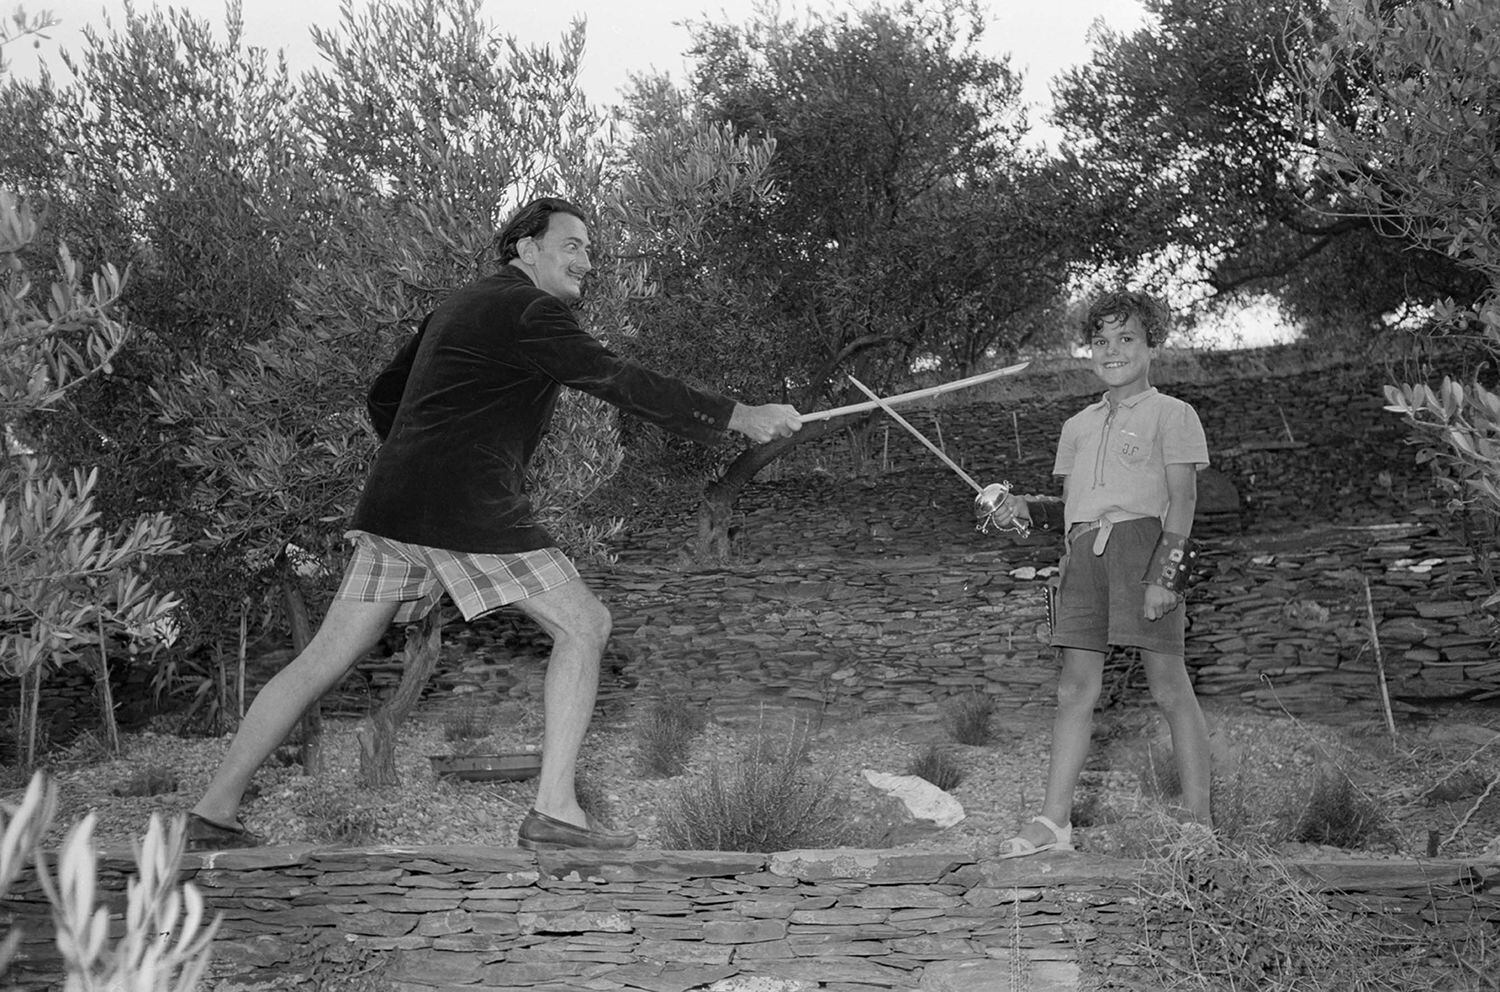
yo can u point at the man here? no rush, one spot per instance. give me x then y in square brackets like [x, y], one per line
[461, 411]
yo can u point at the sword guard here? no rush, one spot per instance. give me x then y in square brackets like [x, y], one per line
[988, 502]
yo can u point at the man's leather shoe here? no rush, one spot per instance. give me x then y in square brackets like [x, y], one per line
[540, 832]
[206, 835]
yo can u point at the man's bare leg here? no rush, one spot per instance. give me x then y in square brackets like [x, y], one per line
[579, 626]
[346, 635]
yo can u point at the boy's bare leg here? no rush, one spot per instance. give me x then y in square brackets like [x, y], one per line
[347, 634]
[1173, 692]
[579, 626]
[1078, 690]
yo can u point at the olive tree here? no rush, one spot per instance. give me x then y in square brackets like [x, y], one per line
[1405, 103]
[68, 586]
[898, 221]
[1193, 127]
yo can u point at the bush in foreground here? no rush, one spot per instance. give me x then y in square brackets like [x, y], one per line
[765, 801]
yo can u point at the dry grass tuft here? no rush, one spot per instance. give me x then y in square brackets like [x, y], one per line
[664, 736]
[938, 766]
[1243, 921]
[968, 718]
[763, 801]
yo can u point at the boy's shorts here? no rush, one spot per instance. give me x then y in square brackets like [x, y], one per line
[1101, 599]
[384, 571]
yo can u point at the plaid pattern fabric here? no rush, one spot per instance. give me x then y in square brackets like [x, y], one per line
[383, 571]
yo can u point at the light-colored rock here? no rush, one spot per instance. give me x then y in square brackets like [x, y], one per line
[925, 800]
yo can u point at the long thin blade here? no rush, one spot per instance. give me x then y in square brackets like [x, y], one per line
[916, 394]
[917, 434]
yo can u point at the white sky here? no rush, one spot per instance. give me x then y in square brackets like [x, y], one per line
[1043, 37]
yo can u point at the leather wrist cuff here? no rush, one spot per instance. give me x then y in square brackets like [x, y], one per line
[1172, 562]
[1046, 512]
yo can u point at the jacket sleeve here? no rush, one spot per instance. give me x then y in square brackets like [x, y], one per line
[557, 347]
[384, 397]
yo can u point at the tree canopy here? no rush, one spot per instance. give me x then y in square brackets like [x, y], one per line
[1194, 127]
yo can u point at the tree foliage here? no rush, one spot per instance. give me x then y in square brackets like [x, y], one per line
[897, 221]
[1194, 128]
[1405, 103]
[68, 585]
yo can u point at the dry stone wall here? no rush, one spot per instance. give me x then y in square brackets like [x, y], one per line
[470, 918]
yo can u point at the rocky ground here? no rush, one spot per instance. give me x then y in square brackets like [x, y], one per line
[860, 606]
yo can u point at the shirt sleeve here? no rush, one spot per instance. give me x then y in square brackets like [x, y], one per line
[1184, 440]
[1067, 448]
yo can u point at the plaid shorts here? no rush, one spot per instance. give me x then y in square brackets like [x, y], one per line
[416, 576]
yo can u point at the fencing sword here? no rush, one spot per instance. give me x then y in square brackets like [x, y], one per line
[916, 394]
[987, 497]
[942, 455]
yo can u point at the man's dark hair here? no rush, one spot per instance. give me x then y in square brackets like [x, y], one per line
[1121, 305]
[530, 221]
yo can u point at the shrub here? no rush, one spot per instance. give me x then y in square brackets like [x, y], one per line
[166, 939]
[1339, 814]
[938, 766]
[761, 803]
[969, 718]
[664, 736]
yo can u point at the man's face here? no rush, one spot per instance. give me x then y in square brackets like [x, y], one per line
[558, 258]
[1122, 359]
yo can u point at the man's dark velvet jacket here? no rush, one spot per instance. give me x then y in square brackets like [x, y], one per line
[484, 376]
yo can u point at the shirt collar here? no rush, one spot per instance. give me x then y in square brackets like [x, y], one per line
[1103, 403]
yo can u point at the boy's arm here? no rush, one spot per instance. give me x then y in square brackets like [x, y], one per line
[996, 506]
[1170, 566]
[1182, 498]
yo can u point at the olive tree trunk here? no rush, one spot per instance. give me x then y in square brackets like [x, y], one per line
[377, 733]
[712, 541]
[312, 717]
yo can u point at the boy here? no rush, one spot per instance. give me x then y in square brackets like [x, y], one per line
[1129, 464]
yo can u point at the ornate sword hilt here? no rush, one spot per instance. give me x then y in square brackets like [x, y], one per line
[988, 502]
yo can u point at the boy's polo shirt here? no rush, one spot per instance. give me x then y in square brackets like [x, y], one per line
[1116, 458]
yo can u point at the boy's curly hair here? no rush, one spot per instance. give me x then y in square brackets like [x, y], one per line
[1155, 315]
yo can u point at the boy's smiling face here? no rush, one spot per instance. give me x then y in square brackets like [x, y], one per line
[1121, 356]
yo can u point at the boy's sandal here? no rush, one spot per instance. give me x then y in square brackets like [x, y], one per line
[206, 835]
[1020, 847]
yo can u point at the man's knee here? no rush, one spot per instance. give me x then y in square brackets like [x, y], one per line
[596, 621]
[573, 613]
